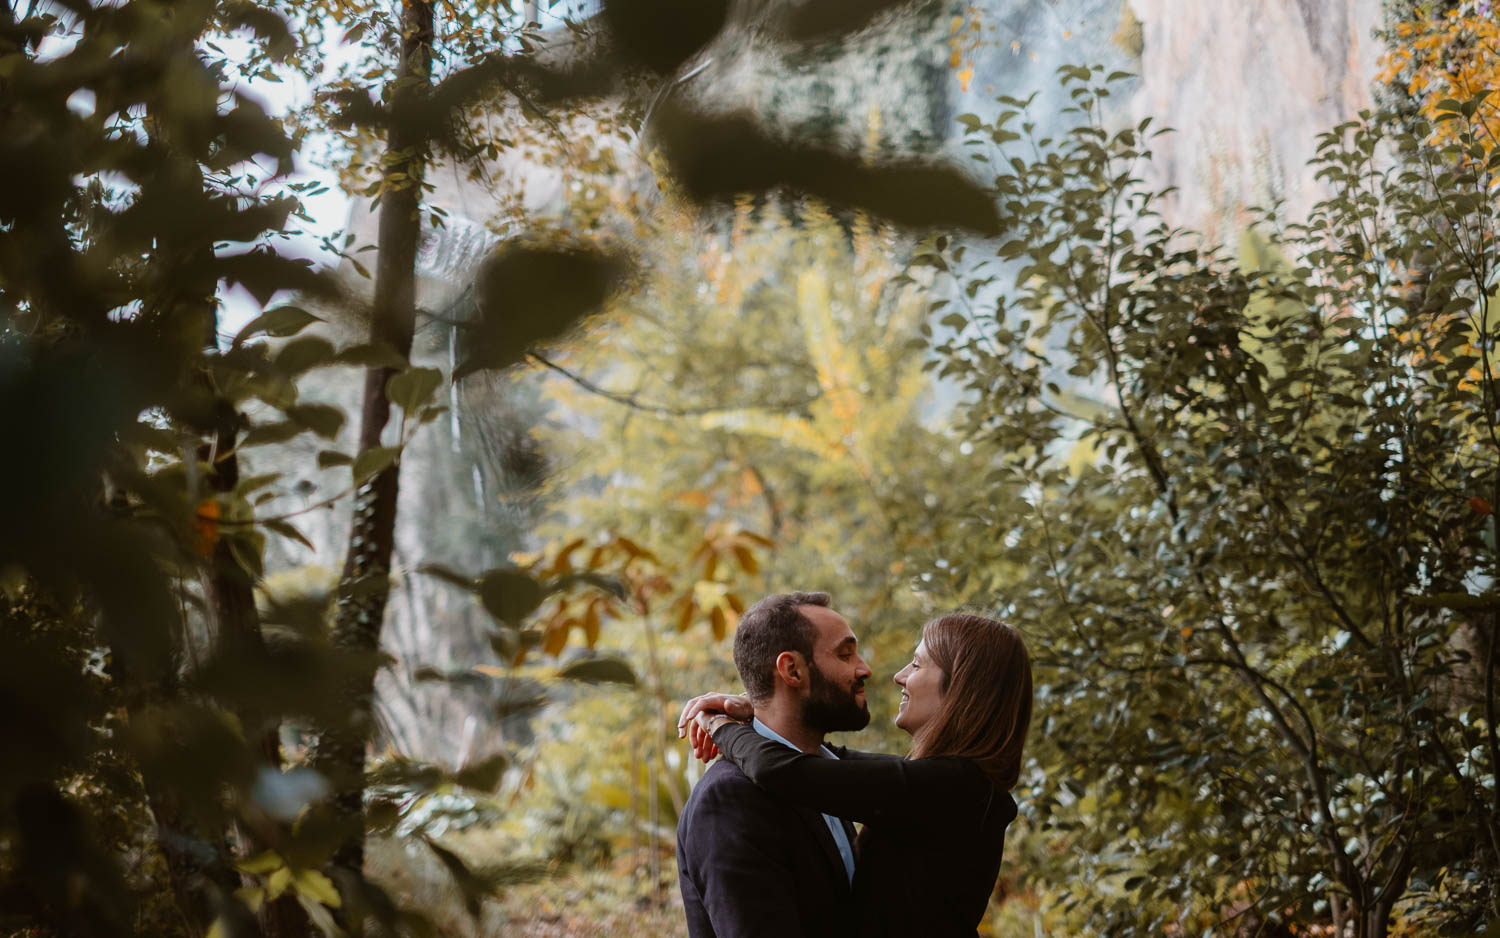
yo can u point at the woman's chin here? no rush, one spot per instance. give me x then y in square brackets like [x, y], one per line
[900, 725]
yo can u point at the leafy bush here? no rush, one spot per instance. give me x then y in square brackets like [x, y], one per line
[1245, 512]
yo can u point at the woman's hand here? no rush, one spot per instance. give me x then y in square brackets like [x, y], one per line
[702, 715]
[735, 706]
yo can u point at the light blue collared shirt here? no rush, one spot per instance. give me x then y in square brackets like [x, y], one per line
[835, 826]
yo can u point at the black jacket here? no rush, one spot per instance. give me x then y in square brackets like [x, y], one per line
[752, 866]
[934, 828]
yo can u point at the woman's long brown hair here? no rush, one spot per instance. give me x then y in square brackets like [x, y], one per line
[986, 706]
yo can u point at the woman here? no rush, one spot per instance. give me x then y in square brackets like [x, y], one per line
[935, 820]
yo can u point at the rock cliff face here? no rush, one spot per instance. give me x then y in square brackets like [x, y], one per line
[1248, 87]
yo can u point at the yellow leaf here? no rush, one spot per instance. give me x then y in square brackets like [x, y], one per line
[315, 885]
[217, 929]
[261, 863]
[253, 897]
[966, 76]
[278, 882]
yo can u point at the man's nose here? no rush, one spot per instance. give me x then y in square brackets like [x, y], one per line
[863, 671]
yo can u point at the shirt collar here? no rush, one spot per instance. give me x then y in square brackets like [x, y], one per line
[769, 733]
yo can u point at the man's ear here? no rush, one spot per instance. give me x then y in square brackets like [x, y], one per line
[791, 669]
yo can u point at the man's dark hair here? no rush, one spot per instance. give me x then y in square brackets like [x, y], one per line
[768, 628]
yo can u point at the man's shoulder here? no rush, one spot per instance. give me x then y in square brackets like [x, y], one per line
[724, 779]
[724, 793]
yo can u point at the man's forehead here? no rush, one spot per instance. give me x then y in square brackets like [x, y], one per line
[833, 629]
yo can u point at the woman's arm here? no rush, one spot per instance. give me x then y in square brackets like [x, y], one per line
[869, 788]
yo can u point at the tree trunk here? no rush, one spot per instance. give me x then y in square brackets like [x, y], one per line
[364, 584]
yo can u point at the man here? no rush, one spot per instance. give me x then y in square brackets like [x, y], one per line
[750, 866]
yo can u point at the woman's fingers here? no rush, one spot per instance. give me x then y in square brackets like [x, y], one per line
[717, 703]
[702, 744]
[738, 706]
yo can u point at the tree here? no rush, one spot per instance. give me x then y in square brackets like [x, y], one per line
[1259, 592]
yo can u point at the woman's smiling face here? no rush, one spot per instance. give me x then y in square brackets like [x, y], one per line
[921, 684]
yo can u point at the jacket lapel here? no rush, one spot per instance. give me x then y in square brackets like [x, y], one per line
[824, 837]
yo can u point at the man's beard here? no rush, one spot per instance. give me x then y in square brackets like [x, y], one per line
[830, 708]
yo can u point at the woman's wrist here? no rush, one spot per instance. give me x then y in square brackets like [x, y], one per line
[713, 722]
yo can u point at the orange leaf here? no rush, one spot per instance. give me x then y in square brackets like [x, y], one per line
[1479, 504]
[563, 563]
[746, 559]
[557, 638]
[206, 527]
[591, 624]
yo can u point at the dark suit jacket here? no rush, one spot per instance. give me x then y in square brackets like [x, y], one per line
[934, 828]
[751, 866]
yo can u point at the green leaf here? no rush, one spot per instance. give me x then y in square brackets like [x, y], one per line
[373, 460]
[609, 584]
[303, 354]
[371, 356]
[332, 457]
[485, 774]
[288, 531]
[718, 157]
[509, 595]
[599, 671]
[528, 295]
[412, 388]
[449, 575]
[268, 433]
[252, 484]
[280, 322]
[323, 419]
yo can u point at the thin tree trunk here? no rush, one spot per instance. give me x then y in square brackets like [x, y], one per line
[364, 584]
[230, 592]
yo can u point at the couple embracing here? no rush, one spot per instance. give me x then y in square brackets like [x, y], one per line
[766, 846]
